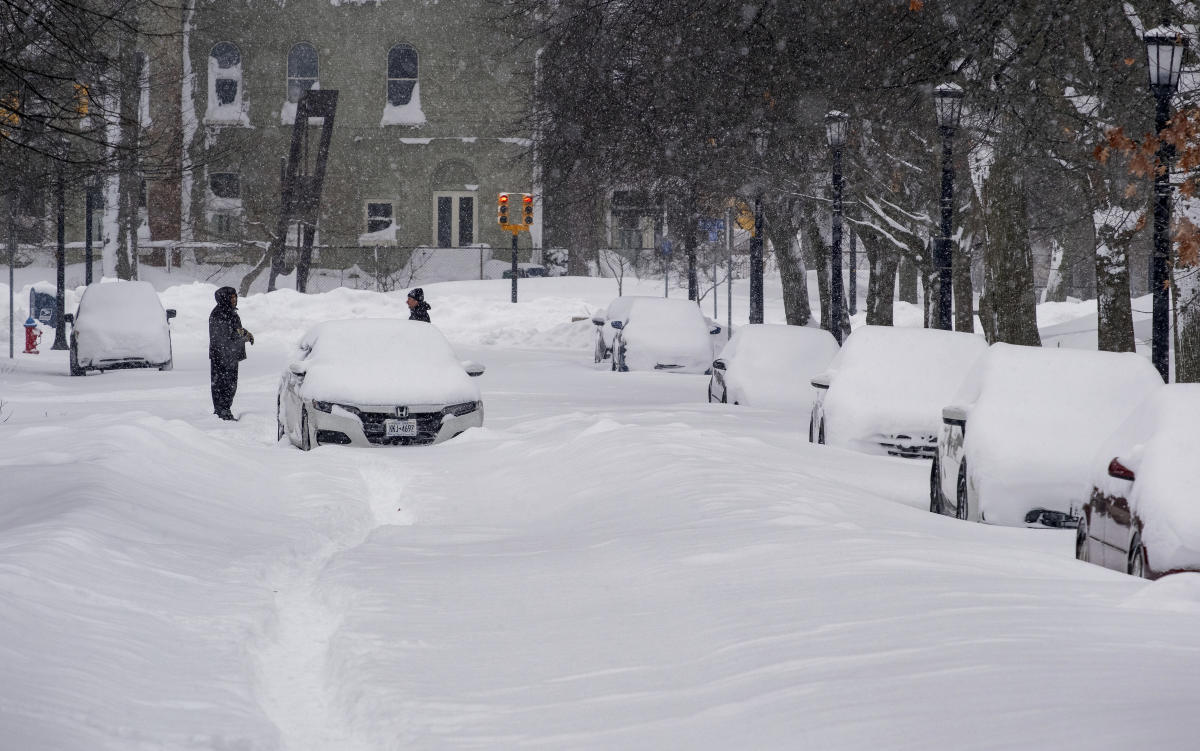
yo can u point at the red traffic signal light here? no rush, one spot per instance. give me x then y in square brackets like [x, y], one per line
[502, 208]
[527, 208]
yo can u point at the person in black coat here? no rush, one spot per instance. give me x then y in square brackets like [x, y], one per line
[418, 309]
[226, 348]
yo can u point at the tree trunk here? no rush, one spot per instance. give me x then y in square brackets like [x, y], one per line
[1007, 307]
[1055, 290]
[1187, 352]
[1114, 313]
[782, 231]
[881, 286]
[909, 283]
[821, 258]
[964, 295]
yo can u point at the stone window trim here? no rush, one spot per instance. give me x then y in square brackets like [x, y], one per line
[379, 214]
[403, 70]
[303, 70]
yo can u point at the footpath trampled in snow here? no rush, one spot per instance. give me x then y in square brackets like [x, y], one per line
[611, 562]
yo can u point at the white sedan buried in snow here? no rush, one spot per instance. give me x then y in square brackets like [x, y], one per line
[658, 333]
[1017, 443]
[120, 325]
[885, 390]
[371, 382]
[1142, 517]
[617, 310]
[770, 365]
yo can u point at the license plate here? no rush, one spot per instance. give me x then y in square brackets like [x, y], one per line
[399, 428]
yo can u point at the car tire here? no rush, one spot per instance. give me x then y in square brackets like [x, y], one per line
[935, 489]
[278, 419]
[1136, 565]
[962, 499]
[821, 432]
[1082, 546]
[74, 360]
[168, 365]
[305, 436]
[710, 388]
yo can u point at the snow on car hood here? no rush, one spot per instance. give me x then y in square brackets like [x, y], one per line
[1040, 417]
[1158, 443]
[660, 331]
[888, 380]
[380, 361]
[119, 320]
[770, 365]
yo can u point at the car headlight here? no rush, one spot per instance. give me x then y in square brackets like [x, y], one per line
[458, 410]
[322, 406]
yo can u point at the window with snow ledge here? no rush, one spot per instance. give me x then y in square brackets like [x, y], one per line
[403, 105]
[223, 203]
[226, 105]
[381, 224]
[303, 71]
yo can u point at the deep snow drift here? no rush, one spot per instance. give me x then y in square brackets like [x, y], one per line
[611, 562]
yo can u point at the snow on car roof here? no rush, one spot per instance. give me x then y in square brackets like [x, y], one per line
[887, 379]
[1041, 415]
[770, 365]
[383, 361]
[122, 319]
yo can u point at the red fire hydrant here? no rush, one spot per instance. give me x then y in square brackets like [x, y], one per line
[32, 336]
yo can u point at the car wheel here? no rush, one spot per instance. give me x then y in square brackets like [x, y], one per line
[710, 388]
[1082, 547]
[613, 365]
[278, 419]
[935, 488]
[305, 437]
[168, 365]
[1137, 558]
[964, 502]
[75, 369]
[821, 432]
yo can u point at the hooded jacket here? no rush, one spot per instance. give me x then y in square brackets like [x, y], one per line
[421, 311]
[226, 337]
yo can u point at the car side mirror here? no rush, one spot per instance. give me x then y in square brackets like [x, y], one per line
[954, 415]
[298, 369]
[715, 330]
[170, 313]
[597, 320]
[618, 325]
[69, 318]
[821, 381]
[718, 364]
[473, 368]
[1120, 471]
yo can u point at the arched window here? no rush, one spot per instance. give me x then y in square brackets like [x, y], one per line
[302, 70]
[402, 74]
[225, 70]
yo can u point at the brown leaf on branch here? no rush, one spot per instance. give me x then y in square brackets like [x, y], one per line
[1187, 189]
[1131, 190]
[1187, 243]
[1141, 222]
[916, 5]
[1101, 153]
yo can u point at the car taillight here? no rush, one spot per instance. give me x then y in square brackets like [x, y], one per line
[1120, 471]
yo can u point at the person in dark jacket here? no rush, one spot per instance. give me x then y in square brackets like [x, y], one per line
[226, 348]
[418, 309]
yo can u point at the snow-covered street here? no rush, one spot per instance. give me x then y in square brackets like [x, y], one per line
[610, 563]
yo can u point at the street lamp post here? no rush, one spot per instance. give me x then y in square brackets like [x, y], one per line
[836, 125]
[1164, 49]
[947, 100]
[756, 240]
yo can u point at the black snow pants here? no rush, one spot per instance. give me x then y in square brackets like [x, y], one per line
[224, 385]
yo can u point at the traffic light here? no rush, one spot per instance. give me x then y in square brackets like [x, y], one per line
[527, 208]
[502, 208]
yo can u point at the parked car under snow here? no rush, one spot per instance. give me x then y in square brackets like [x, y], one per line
[1142, 517]
[885, 390]
[120, 325]
[1018, 441]
[367, 382]
[770, 365]
[657, 333]
[617, 310]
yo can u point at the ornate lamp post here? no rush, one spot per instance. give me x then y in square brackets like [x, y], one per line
[761, 141]
[947, 101]
[836, 125]
[1164, 49]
